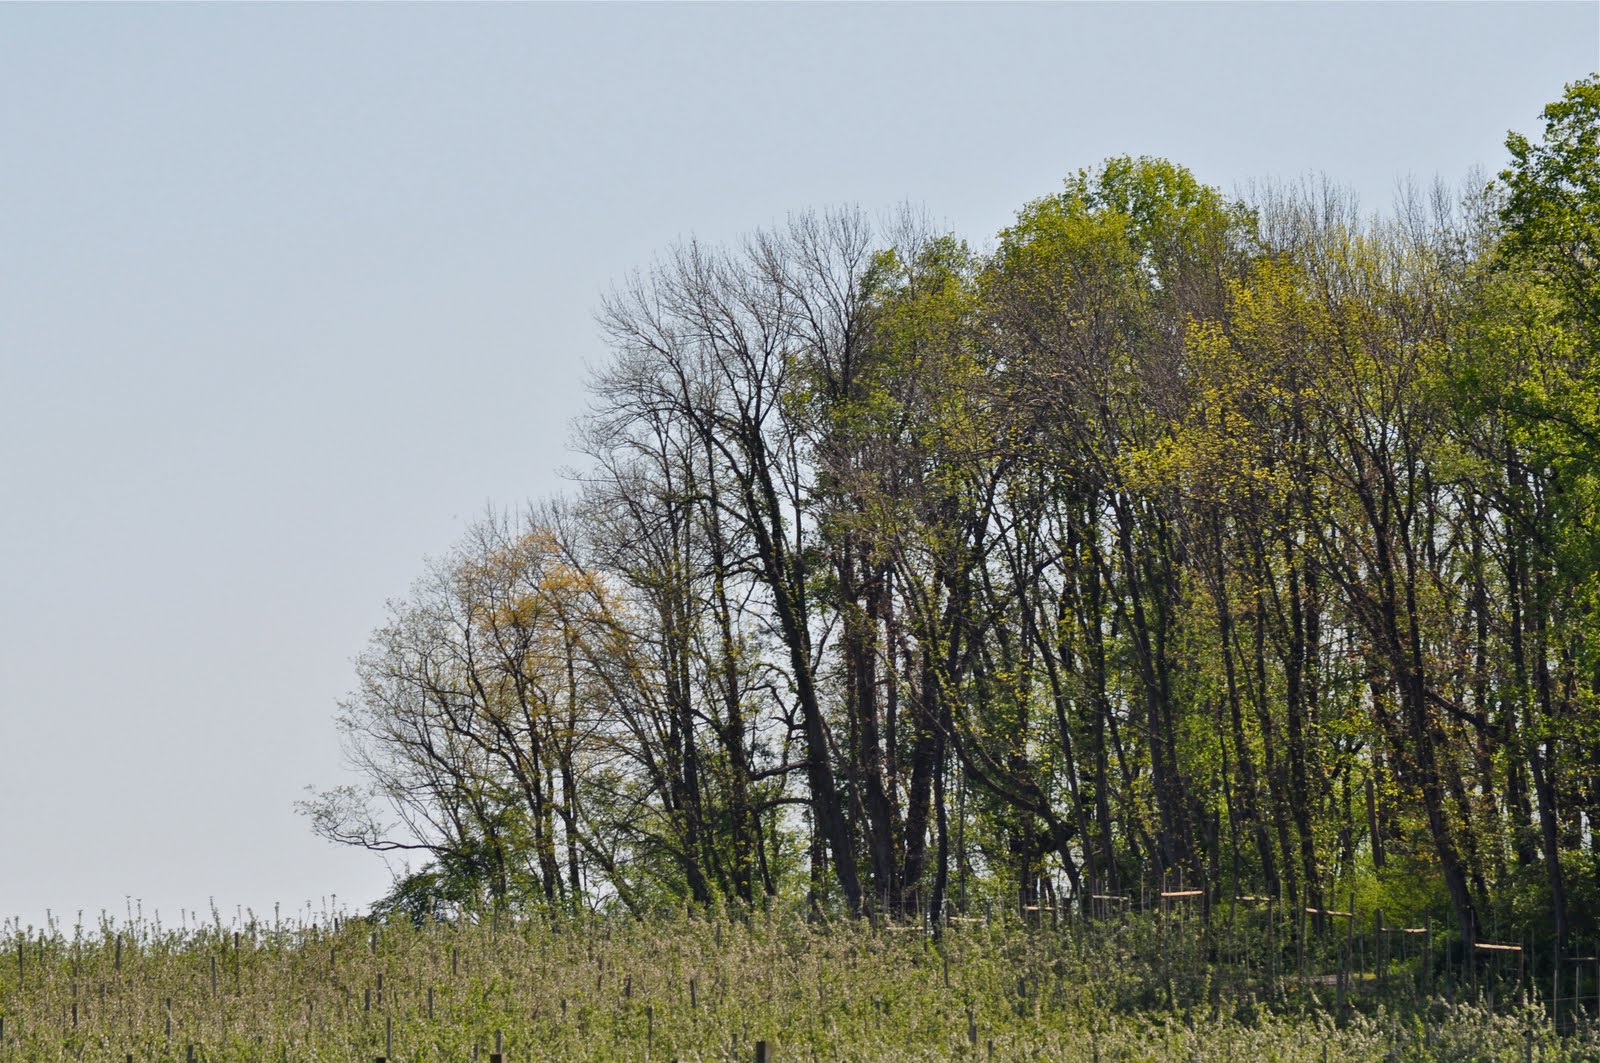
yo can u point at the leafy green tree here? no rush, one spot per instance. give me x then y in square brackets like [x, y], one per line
[1177, 538]
[1552, 200]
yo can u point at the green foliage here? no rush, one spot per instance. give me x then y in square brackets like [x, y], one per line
[1253, 547]
[1552, 200]
[699, 987]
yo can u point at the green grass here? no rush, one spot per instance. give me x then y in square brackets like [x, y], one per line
[694, 988]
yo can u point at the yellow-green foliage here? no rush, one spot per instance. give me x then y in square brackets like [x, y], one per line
[689, 988]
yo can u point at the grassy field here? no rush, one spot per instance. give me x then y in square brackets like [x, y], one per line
[702, 988]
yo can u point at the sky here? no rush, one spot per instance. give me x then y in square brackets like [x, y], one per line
[290, 294]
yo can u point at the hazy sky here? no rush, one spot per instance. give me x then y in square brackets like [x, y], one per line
[288, 294]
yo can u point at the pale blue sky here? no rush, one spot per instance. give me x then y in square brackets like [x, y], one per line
[289, 293]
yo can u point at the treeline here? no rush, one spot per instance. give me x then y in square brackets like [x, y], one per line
[1252, 545]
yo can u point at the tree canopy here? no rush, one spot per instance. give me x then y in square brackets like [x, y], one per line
[1244, 544]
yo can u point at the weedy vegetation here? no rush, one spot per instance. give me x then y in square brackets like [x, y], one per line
[725, 985]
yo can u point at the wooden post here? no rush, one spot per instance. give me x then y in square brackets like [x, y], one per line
[1426, 974]
[1350, 943]
[1300, 929]
[1380, 950]
[1272, 950]
[1555, 989]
